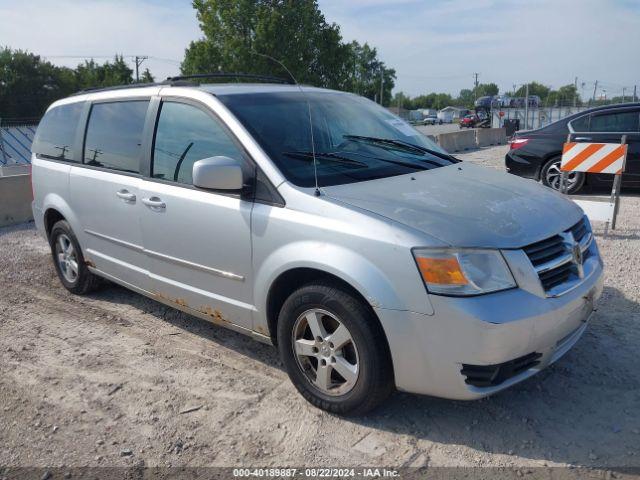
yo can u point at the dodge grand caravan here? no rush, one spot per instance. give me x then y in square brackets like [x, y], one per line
[316, 221]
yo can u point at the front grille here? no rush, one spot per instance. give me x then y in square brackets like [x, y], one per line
[493, 375]
[556, 276]
[546, 250]
[579, 230]
[551, 258]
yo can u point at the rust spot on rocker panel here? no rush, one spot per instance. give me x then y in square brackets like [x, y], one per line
[260, 329]
[178, 301]
[214, 314]
[89, 263]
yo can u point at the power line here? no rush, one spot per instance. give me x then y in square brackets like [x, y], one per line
[150, 57]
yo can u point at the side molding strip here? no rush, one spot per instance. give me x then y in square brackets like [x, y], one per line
[178, 261]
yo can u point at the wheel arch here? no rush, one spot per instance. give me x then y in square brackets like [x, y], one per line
[292, 279]
[55, 208]
[51, 217]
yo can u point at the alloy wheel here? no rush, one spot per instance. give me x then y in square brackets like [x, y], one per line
[325, 352]
[554, 176]
[67, 258]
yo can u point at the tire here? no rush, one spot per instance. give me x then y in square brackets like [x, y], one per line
[69, 260]
[364, 356]
[550, 176]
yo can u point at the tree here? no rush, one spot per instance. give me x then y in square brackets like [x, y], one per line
[90, 74]
[29, 84]
[566, 95]
[147, 77]
[535, 88]
[369, 74]
[486, 90]
[466, 98]
[294, 32]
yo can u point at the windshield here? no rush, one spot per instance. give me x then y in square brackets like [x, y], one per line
[354, 139]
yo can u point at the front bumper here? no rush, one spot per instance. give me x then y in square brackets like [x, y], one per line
[429, 351]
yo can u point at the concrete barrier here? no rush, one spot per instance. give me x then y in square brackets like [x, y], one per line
[491, 136]
[457, 141]
[14, 169]
[15, 199]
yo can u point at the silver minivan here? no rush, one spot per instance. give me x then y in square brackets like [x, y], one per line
[317, 221]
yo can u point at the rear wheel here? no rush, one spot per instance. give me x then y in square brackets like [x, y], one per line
[551, 177]
[69, 261]
[334, 350]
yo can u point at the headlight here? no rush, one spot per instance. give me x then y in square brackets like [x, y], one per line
[463, 272]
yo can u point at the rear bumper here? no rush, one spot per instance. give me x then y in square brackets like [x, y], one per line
[38, 219]
[521, 166]
[429, 352]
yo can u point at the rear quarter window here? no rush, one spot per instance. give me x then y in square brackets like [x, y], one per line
[580, 124]
[56, 133]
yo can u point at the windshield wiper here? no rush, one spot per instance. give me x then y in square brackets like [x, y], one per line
[347, 161]
[308, 156]
[400, 144]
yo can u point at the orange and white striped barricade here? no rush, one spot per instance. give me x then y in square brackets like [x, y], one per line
[607, 158]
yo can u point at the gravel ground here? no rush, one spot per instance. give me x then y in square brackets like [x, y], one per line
[116, 379]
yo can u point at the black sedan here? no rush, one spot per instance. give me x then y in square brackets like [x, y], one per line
[536, 153]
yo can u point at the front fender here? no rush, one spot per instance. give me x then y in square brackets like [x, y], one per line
[348, 265]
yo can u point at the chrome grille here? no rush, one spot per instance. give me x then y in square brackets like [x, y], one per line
[554, 260]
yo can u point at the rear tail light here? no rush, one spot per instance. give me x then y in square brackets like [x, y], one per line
[518, 143]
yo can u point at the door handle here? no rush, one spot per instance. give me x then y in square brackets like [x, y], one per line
[582, 138]
[154, 203]
[126, 195]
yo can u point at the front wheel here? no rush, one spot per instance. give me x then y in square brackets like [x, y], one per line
[334, 350]
[551, 176]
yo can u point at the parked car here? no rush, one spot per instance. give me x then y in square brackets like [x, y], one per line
[503, 101]
[537, 153]
[534, 101]
[369, 256]
[431, 120]
[520, 102]
[484, 102]
[476, 120]
[469, 121]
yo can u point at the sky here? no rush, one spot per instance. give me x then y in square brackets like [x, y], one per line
[434, 45]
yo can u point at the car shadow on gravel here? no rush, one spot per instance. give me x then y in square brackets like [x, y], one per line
[583, 410]
[242, 344]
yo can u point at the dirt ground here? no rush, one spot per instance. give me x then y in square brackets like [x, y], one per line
[115, 379]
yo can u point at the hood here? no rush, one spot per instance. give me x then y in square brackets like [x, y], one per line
[465, 205]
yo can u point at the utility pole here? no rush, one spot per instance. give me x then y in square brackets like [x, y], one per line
[634, 93]
[475, 86]
[526, 107]
[382, 86]
[595, 87]
[575, 92]
[139, 61]
[623, 89]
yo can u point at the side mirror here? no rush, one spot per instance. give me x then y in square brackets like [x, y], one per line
[218, 173]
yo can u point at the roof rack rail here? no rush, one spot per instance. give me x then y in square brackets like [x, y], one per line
[116, 87]
[248, 76]
[183, 81]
